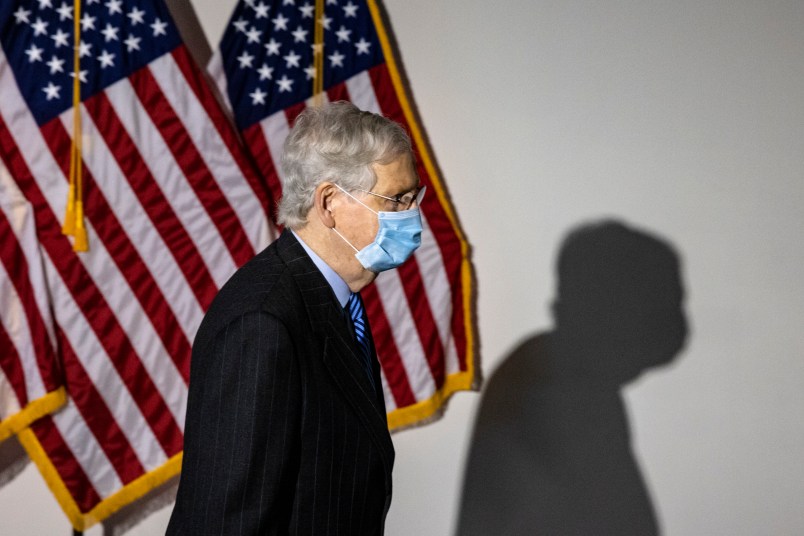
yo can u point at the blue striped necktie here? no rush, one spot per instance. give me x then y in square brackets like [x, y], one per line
[356, 313]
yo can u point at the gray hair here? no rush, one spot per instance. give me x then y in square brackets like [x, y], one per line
[338, 143]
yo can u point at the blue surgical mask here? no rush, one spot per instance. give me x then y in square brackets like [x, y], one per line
[398, 236]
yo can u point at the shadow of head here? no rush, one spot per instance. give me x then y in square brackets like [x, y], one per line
[619, 308]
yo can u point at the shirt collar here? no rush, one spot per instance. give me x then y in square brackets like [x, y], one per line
[339, 286]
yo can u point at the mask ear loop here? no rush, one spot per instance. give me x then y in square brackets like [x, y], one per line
[356, 199]
[344, 239]
[359, 201]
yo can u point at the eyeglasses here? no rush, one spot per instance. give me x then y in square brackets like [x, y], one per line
[403, 201]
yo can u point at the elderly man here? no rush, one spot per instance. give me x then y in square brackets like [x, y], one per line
[286, 430]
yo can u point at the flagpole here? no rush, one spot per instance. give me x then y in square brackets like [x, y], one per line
[318, 54]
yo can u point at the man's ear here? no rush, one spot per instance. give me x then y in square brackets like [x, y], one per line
[324, 202]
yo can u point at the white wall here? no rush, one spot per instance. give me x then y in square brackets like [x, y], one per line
[684, 118]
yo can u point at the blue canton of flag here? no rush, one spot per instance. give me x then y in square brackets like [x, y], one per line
[117, 38]
[268, 52]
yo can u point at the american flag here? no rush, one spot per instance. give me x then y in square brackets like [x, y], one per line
[172, 209]
[421, 314]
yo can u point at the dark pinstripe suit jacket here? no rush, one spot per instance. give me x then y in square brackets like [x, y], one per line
[284, 433]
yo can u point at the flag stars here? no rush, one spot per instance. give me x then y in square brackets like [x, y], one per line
[84, 49]
[137, 16]
[362, 46]
[51, 91]
[132, 43]
[285, 84]
[325, 21]
[261, 10]
[114, 6]
[266, 73]
[22, 15]
[343, 34]
[258, 96]
[34, 53]
[307, 10]
[39, 27]
[159, 27]
[87, 22]
[45, 4]
[110, 33]
[82, 76]
[240, 24]
[350, 10]
[60, 38]
[282, 54]
[65, 12]
[280, 22]
[292, 59]
[299, 35]
[336, 59]
[273, 47]
[245, 59]
[253, 35]
[106, 59]
[56, 65]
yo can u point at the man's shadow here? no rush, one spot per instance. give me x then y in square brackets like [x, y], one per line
[551, 452]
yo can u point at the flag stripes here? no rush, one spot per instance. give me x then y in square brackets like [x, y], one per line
[132, 179]
[133, 275]
[47, 446]
[13, 382]
[394, 374]
[258, 137]
[192, 164]
[419, 305]
[172, 207]
[102, 411]
[30, 377]
[23, 323]
[194, 220]
[240, 185]
[92, 305]
[246, 201]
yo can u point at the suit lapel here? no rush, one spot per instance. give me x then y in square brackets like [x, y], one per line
[341, 354]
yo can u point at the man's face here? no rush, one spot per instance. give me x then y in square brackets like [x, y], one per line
[358, 224]
[393, 180]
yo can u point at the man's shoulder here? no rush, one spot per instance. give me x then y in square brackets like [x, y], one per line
[263, 284]
[254, 280]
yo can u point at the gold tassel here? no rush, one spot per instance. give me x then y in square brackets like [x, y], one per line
[81, 243]
[68, 228]
[74, 212]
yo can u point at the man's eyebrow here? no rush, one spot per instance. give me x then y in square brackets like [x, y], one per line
[409, 190]
[404, 193]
